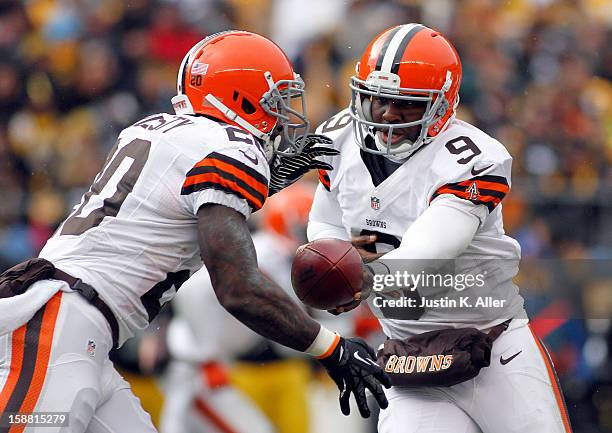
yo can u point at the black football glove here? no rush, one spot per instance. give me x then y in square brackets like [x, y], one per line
[286, 170]
[352, 367]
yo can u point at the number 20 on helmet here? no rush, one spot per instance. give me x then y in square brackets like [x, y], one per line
[246, 80]
[409, 62]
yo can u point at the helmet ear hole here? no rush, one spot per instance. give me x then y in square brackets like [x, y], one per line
[247, 106]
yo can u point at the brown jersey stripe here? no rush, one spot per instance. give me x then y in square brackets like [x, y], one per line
[45, 342]
[324, 179]
[399, 53]
[246, 174]
[238, 165]
[481, 191]
[491, 178]
[32, 334]
[488, 201]
[463, 193]
[490, 204]
[216, 182]
[241, 179]
[17, 352]
[554, 381]
[481, 184]
[492, 185]
[491, 190]
[491, 193]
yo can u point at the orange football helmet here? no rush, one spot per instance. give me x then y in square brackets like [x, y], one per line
[409, 62]
[247, 80]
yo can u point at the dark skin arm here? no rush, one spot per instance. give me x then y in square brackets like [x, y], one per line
[227, 250]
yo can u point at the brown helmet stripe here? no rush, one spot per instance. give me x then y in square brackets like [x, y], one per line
[399, 53]
[383, 50]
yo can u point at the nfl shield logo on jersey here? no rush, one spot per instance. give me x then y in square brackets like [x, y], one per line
[472, 191]
[375, 203]
[91, 348]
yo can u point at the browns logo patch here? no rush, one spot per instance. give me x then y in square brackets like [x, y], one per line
[418, 364]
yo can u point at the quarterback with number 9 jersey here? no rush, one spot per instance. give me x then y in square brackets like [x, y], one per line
[419, 193]
[174, 192]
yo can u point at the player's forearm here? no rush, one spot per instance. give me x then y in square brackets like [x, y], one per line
[229, 255]
[265, 308]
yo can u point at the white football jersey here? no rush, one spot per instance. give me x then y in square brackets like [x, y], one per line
[133, 236]
[462, 164]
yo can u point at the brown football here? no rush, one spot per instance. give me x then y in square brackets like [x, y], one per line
[326, 273]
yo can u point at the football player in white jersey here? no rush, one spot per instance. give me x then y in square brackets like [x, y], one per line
[414, 188]
[203, 339]
[174, 188]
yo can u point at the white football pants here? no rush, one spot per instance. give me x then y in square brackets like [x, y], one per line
[58, 362]
[517, 393]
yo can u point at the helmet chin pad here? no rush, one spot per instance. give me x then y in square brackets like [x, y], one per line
[395, 157]
[366, 108]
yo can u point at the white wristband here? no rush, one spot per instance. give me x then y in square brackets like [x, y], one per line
[324, 343]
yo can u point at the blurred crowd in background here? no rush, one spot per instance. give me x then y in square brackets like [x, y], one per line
[537, 75]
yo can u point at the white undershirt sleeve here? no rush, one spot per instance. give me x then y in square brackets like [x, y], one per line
[325, 220]
[442, 232]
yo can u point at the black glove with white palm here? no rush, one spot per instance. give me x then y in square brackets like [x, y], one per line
[286, 170]
[353, 367]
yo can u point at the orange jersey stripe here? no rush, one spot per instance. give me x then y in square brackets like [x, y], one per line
[240, 174]
[481, 184]
[18, 347]
[45, 341]
[553, 380]
[213, 177]
[465, 194]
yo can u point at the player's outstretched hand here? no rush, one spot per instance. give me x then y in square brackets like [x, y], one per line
[286, 170]
[353, 367]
